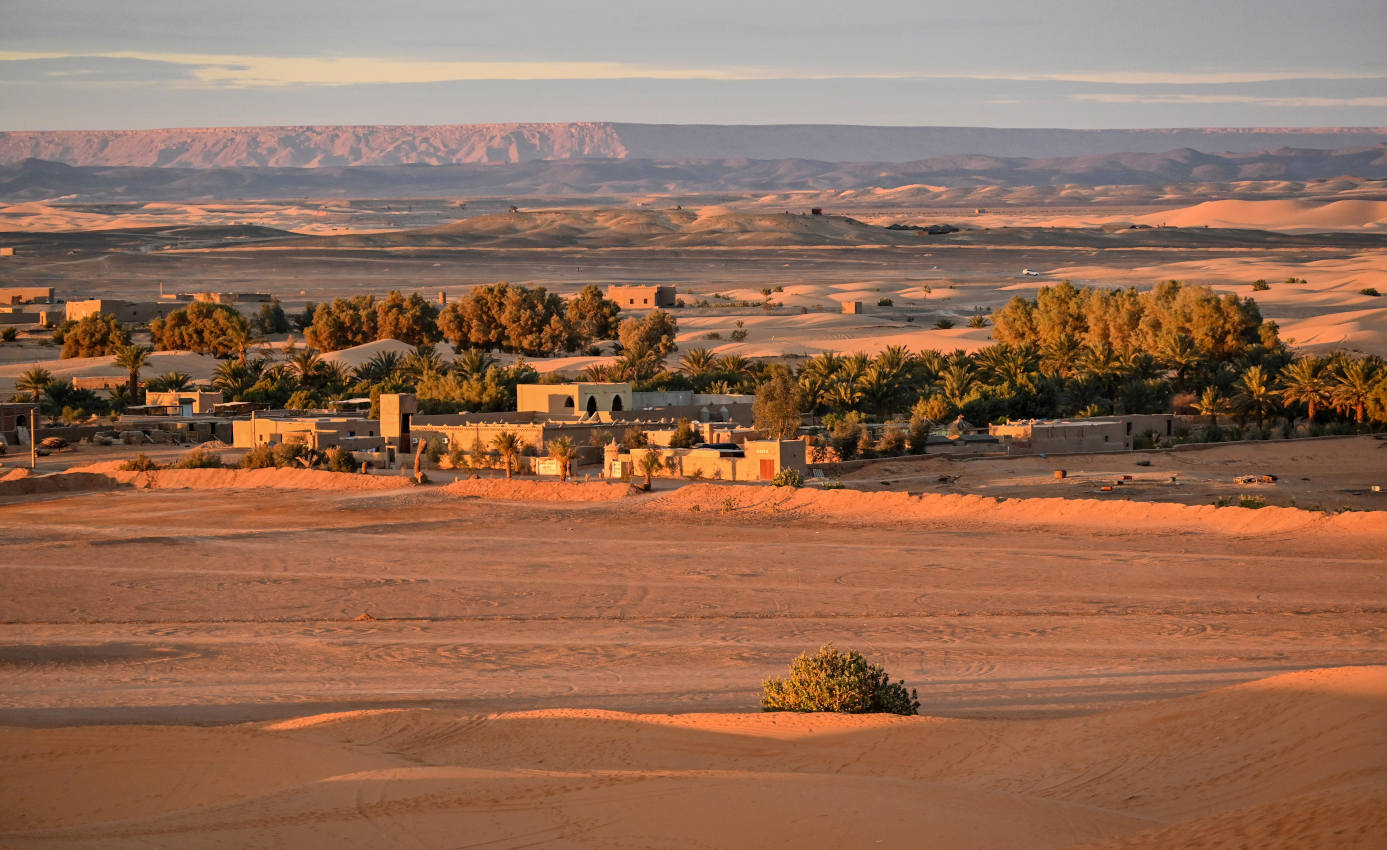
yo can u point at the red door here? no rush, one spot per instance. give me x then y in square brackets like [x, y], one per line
[767, 470]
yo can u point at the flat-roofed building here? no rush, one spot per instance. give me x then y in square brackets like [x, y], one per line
[26, 295]
[643, 297]
[316, 432]
[186, 402]
[126, 312]
[573, 399]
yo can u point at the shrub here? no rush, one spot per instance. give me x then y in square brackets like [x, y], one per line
[260, 457]
[9, 334]
[885, 302]
[1369, 291]
[839, 682]
[1252, 502]
[831, 485]
[944, 324]
[341, 460]
[738, 335]
[788, 477]
[139, 463]
[457, 458]
[199, 459]
[1260, 286]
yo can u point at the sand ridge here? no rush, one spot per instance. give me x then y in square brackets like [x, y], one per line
[1207, 768]
[853, 506]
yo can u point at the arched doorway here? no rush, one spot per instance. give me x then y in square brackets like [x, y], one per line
[616, 403]
[592, 404]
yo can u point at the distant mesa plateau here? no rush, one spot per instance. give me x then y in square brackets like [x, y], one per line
[311, 146]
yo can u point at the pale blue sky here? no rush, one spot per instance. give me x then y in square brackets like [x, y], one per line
[78, 64]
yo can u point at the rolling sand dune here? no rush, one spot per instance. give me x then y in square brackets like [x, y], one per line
[1277, 215]
[854, 506]
[1295, 760]
[614, 228]
[502, 684]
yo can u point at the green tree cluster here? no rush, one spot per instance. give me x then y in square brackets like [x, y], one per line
[348, 322]
[97, 335]
[527, 320]
[203, 328]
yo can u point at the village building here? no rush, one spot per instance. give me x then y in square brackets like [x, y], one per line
[15, 295]
[316, 432]
[643, 297]
[126, 312]
[228, 298]
[13, 416]
[184, 402]
[755, 460]
[573, 399]
[1062, 436]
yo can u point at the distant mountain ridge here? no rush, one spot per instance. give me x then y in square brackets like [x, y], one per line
[38, 179]
[490, 144]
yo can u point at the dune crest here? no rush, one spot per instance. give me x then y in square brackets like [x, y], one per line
[1300, 755]
[1277, 215]
[878, 507]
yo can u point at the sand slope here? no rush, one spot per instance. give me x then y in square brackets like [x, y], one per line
[1277, 215]
[1295, 760]
[1088, 514]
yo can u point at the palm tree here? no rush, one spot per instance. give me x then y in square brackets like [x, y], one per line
[507, 444]
[333, 377]
[34, 381]
[1211, 403]
[599, 373]
[698, 363]
[1179, 354]
[561, 449]
[649, 465]
[175, 382]
[734, 365]
[306, 366]
[235, 378]
[1101, 363]
[1354, 385]
[1256, 393]
[880, 386]
[133, 358]
[825, 365]
[239, 341]
[1307, 383]
[638, 363]
[956, 383]
[424, 361]
[473, 361]
[379, 369]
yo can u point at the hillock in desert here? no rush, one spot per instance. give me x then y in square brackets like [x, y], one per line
[216, 629]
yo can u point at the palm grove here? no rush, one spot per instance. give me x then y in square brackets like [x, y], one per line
[1068, 352]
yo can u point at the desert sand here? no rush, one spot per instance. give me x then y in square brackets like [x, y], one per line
[1091, 674]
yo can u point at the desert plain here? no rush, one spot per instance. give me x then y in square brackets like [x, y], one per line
[300, 658]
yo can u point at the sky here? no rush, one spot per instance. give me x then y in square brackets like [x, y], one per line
[131, 64]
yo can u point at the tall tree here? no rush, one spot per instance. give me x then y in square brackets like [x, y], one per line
[133, 358]
[507, 444]
[561, 449]
[779, 406]
[1308, 383]
[34, 381]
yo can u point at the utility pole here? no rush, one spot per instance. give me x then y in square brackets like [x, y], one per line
[33, 438]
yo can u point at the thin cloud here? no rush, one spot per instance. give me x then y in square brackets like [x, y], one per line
[250, 71]
[1244, 99]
